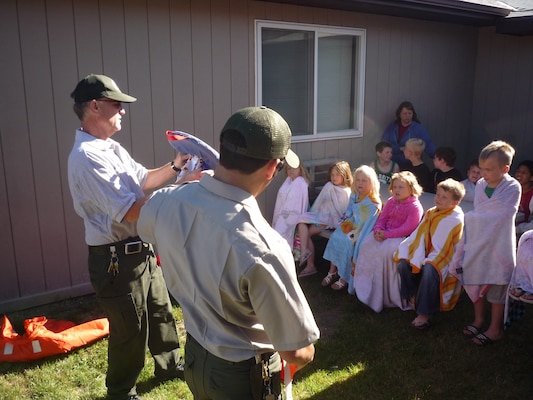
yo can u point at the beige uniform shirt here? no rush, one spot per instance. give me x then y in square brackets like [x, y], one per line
[232, 274]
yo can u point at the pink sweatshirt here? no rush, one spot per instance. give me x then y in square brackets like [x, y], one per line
[399, 219]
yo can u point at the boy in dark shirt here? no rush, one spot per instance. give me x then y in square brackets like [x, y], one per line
[443, 161]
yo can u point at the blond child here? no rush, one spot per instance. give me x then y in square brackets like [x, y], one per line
[487, 254]
[326, 212]
[424, 257]
[359, 219]
[383, 164]
[376, 279]
[412, 151]
[473, 174]
[292, 201]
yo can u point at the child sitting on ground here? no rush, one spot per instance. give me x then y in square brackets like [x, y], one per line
[412, 151]
[485, 259]
[376, 279]
[383, 165]
[524, 217]
[326, 212]
[473, 175]
[291, 202]
[424, 257]
[359, 219]
[444, 161]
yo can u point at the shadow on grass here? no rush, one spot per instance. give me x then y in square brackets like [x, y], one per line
[368, 355]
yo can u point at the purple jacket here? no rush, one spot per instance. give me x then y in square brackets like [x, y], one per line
[399, 219]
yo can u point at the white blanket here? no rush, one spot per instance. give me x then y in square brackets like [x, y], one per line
[487, 252]
[291, 202]
[329, 207]
[376, 278]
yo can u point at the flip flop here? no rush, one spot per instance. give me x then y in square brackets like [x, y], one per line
[470, 331]
[515, 293]
[527, 298]
[420, 325]
[483, 340]
[305, 272]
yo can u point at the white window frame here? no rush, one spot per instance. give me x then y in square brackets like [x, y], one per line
[359, 79]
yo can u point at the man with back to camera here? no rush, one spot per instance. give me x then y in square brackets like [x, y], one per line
[107, 186]
[232, 274]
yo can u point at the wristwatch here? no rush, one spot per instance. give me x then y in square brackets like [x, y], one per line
[178, 170]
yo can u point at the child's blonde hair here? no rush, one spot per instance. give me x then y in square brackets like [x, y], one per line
[416, 145]
[454, 187]
[343, 168]
[370, 173]
[409, 178]
[304, 173]
[503, 151]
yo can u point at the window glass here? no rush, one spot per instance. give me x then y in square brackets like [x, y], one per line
[313, 76]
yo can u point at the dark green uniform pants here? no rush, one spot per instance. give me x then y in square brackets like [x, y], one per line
[138, 307]
[212, 378]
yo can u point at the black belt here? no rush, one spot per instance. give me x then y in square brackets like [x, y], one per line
[132, 245]
[253, 360]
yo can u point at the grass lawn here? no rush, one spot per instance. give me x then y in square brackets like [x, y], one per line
[361, 355]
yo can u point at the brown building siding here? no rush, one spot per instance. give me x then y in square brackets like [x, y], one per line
[191, 64]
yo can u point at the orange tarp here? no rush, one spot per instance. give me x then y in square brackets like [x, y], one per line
[46, 337]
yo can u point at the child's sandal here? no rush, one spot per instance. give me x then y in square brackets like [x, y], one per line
[329, 278]
[515, 293]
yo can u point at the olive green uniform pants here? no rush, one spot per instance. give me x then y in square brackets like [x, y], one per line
[138, 307]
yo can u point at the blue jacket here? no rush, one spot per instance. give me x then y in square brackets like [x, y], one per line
[415, 130]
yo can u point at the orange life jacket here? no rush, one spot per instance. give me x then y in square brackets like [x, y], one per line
[46, 337]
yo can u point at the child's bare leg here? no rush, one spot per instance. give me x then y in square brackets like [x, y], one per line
[332, 268]
[495, 330]
[303, 230]
[479, 313]
[307, 249]
[312, 231]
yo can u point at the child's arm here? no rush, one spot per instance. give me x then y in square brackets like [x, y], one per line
[384, 216]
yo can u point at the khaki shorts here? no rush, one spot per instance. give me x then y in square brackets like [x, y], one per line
[497, 294]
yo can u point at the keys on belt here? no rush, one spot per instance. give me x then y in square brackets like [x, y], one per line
[134, 247]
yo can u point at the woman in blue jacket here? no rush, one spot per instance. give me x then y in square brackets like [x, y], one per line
[406, 126]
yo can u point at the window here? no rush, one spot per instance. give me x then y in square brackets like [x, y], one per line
[313, 76]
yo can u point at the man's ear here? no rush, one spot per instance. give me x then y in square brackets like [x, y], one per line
[506, 169]
[270, 169]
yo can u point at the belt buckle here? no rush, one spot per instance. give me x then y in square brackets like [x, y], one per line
[133, 247]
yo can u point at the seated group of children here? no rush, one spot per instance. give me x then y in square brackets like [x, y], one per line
[398, 257]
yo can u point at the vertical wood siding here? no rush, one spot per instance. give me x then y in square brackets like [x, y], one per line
[503, 93]
[191, 63]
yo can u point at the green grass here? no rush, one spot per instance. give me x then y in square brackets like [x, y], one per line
[361, 355]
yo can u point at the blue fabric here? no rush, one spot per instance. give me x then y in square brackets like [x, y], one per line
[425, 286]
[358, 221]
[415, 130]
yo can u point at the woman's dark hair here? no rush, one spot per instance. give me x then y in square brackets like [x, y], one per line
[232, 160]
[409, 106]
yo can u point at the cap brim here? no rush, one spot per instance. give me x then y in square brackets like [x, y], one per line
[122, 97]
[292, 159]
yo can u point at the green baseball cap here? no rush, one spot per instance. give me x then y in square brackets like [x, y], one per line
[266, 133]
[98, 86]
